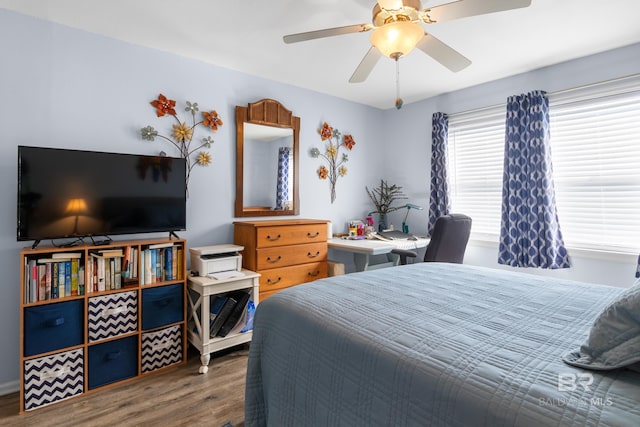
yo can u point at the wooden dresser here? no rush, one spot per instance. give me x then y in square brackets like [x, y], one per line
[284, 252]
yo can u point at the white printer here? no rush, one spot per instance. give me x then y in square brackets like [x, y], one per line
[209, 260]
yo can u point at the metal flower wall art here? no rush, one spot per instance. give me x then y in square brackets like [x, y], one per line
[183, 133]
[335, 163]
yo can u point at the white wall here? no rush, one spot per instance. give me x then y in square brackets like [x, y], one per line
[66, 88]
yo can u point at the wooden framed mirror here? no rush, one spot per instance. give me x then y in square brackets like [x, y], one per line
[267, 145]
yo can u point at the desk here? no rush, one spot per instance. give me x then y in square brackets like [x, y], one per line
[362, 249]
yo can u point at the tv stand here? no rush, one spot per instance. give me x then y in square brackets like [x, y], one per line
[108, 318]
[173, 233]
[35, 244]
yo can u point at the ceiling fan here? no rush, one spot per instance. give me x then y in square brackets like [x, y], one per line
[397, 29]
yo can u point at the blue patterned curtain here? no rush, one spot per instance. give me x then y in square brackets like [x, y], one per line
[530, 233]
[439, 200]
[282, 190]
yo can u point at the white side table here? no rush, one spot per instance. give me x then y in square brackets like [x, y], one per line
[199, 293]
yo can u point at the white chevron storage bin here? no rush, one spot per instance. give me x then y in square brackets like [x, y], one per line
[112, 315]
[78, 335]
[53, 378]
[161, 348]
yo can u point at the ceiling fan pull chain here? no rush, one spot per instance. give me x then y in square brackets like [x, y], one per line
[398, 99]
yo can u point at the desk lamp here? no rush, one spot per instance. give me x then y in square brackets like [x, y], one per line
[409, 206]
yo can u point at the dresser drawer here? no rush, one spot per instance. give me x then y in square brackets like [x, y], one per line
[53, 378]
[291, 255]
[279, 278]
[291, 235]
[113, 315]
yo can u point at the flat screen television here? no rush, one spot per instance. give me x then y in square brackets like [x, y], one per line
[74, 193]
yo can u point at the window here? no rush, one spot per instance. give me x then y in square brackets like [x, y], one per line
[476, 152]
[595, 145]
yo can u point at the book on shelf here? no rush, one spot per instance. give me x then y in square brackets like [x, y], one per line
[222, 316]
[42, 282]
[48, 280]
[75, 266]
[110, 253]
[161, 245]
[242, 298]
[100, 274]
[55, 290]
[66, 255]
[214, 309]
[81, 281]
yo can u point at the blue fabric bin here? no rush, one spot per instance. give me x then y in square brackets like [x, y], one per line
[162, 306]
[53, 326]
[113, 361]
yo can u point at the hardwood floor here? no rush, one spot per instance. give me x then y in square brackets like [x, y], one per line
[175, 397]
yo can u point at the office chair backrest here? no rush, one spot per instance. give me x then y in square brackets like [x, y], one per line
[449, 239]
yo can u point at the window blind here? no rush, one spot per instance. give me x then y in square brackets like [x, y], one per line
[595, 140]
[476, 153]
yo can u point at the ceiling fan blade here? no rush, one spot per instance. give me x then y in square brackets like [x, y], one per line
[462, 9]
[328, 32]
[443, 53]
[366, 66]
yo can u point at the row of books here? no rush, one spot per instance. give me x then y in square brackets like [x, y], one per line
[63, 273]
[226, 310]
[59, 276]
[161, 262]
[104, 270]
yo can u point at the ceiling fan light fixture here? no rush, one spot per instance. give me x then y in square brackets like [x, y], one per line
[397, 38]
[390, 4]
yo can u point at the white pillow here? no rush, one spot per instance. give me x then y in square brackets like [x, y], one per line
[614, 339]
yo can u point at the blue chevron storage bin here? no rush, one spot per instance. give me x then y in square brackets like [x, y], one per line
[162, 306]
[112, 315]
[53, 327]
[161, 348]
[53, 378]
[113, 361]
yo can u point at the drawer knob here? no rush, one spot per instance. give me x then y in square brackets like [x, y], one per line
[273, 282]
[313, 236]
[274, 260]
[310, 255]
[273, 239]
[314, 274]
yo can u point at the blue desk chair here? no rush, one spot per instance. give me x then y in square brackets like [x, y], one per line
[448, 241]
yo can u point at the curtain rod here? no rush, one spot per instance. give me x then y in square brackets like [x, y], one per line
[558, 92]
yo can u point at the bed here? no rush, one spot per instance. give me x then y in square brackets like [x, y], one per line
[433, 344]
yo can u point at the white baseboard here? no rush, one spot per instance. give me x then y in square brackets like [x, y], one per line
[10, 387]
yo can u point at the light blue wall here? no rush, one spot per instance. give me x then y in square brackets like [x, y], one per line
[61, 87]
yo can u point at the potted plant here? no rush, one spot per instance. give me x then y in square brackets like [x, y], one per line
[383, 197]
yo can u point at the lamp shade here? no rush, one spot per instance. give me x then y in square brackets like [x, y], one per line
[76, 207]
[397, 38]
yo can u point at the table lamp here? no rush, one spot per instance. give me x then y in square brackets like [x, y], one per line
[409, 206]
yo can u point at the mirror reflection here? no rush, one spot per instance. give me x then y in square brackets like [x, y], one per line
[266, 160]
[268, 167]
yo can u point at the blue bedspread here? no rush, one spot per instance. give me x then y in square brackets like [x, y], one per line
[432, 344]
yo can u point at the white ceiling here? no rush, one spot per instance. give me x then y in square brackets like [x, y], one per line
[246, 35]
